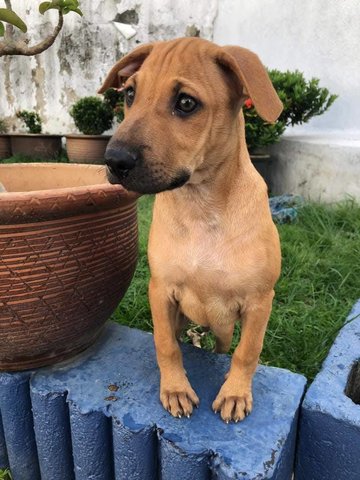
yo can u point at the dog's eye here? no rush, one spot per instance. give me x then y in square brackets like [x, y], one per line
[129, 96]
[185, 104]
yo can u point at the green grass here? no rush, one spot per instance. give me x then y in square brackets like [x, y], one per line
[320, 282]
[5, 475]
[24, 159]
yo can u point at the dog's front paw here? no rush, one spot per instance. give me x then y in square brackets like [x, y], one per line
[178, 398]
[233, 402]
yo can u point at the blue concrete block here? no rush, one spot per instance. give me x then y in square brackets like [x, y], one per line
[4, 461]
[92, 444]
[127, 443]
[329, 441]
[52, 433]
[105, 403]
[15, 410]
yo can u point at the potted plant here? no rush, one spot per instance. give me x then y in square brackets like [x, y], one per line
[5, 145]
[115, 98]
[34, 144]
[302, 100]
[92, 116]
[68, 241]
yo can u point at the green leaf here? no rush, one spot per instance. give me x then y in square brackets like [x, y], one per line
[71, 6]
[44, 6]
[2, 29]
[70, 3]
[9, 16]
[65, 6]
[78, 11]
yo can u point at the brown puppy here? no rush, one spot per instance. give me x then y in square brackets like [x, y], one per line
[214, 251]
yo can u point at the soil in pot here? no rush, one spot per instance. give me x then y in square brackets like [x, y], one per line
[262, 163]
[32, 145]
[86, 148]
[68, 242]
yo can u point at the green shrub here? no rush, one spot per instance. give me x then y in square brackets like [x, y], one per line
[3, 126]
[92, 116]
[31, 120]
[115, 99]
[258, 132]
[302, 100]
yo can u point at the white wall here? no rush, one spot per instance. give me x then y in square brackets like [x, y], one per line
[319, 37]
[85, 50]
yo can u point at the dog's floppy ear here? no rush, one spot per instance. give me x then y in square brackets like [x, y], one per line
[253, 80]
[125, 67]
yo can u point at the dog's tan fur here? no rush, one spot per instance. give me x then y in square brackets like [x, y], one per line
[214, 251]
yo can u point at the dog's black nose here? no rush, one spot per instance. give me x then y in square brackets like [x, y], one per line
[120, 158]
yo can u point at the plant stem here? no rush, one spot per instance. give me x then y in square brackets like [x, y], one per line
[20, 47]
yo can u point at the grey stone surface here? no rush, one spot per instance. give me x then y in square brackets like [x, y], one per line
[329, 441]
[323, 167]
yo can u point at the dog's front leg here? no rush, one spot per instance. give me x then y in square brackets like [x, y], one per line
[234, 400]
[176, 393]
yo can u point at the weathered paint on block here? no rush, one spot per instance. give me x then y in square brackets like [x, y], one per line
[329, 443]
[15, 410]
[119, 430]
[53, 437]
[4, 461]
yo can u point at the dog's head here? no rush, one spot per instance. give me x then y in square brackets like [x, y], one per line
[182, 102]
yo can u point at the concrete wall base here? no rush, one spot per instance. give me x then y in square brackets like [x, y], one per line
[322, 167]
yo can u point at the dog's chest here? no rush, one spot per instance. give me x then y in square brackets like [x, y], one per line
[205, 276]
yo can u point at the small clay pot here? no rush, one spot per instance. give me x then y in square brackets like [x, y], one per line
[32, 145]
[262, 162]
[5, 146]
[86, 148]
[68, 243]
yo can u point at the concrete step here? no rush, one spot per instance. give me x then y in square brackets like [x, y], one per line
[322, 167]
[99, 417]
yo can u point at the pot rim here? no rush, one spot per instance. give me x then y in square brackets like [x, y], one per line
[34, 135]
[6, 197]
[91, 137]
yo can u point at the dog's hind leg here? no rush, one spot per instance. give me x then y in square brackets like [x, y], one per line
[223, 337]
[181, 321]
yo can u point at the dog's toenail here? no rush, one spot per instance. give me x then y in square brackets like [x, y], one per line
[179, 416]
[188, 415]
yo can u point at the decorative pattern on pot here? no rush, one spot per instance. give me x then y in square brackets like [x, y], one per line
[68, 250]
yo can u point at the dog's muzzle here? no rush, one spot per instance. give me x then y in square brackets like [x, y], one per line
[120, 160]
[127, 167]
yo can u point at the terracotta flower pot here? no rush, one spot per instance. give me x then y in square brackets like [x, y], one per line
[36, 145]
[5, 146]
[68, 250]
[262, 163]
[86, 148]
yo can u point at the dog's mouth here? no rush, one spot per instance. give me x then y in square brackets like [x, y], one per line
[142, 181]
